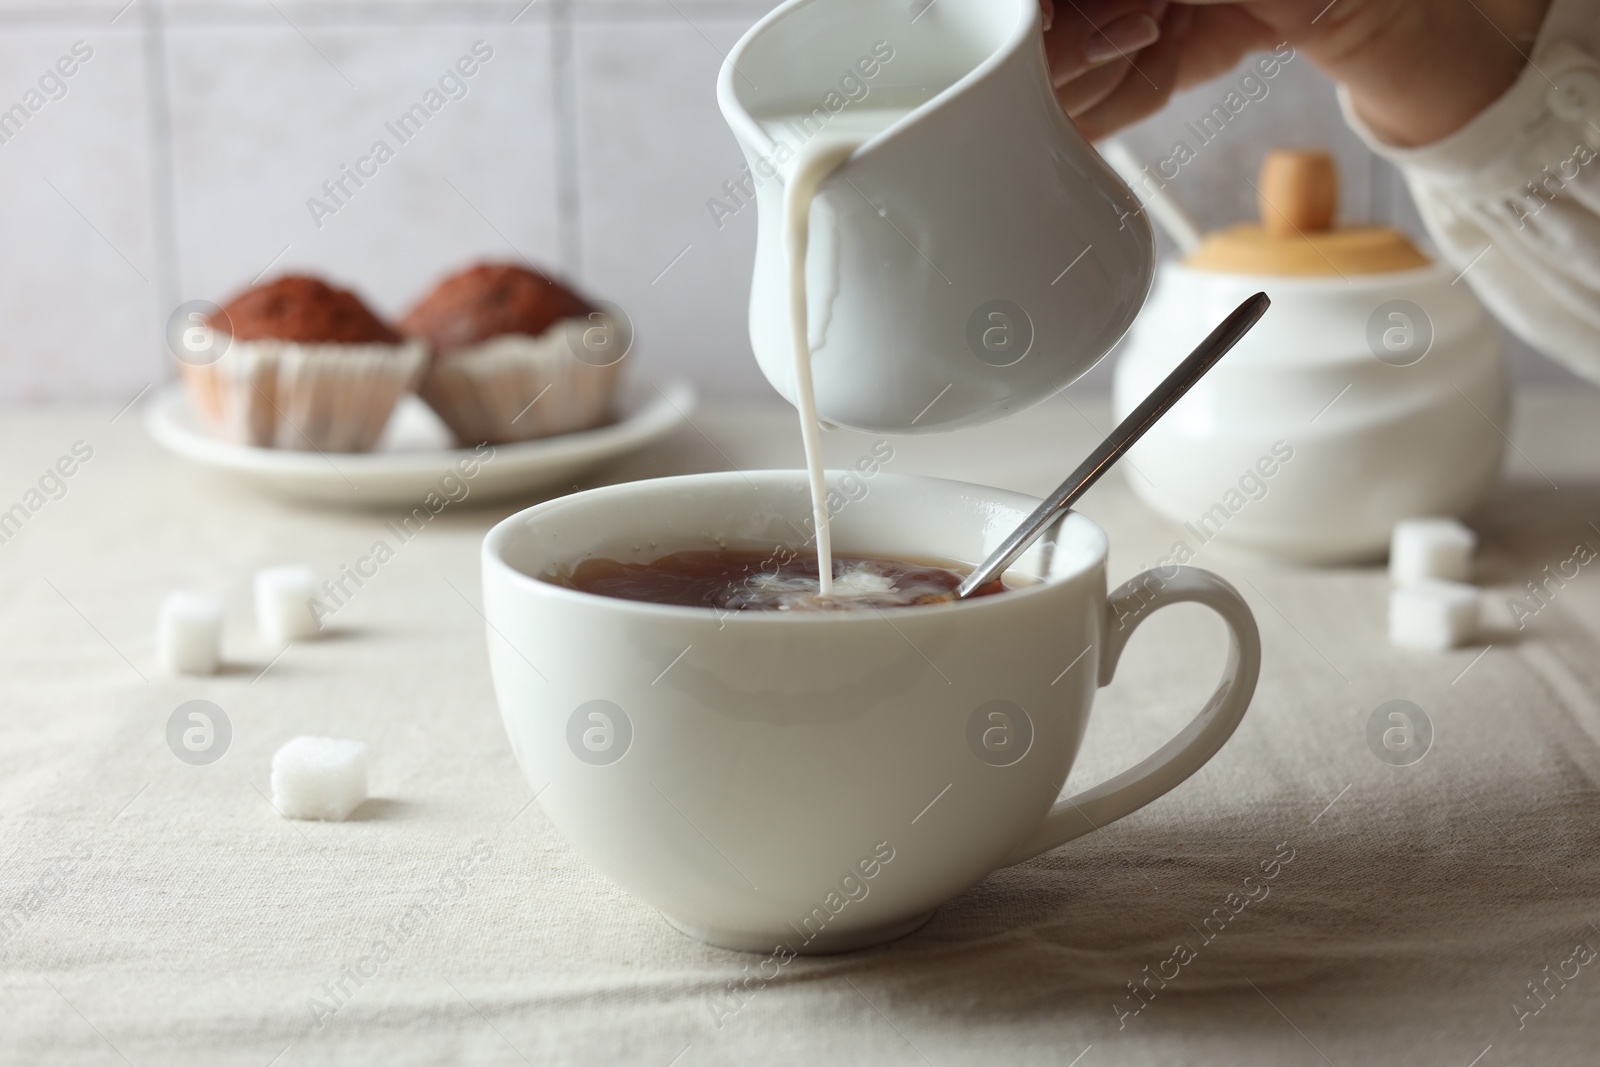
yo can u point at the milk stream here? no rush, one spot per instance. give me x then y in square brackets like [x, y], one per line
[820, 154]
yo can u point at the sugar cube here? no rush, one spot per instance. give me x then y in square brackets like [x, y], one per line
[1431, 548]
[283, 603]
[1432, 614]
[319, 778]
[189, 634]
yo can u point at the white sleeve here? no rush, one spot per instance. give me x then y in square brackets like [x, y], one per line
[1513, 198]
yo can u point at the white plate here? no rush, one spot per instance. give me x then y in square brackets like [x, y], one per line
[415, 451]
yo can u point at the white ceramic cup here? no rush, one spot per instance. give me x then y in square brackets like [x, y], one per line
[822, 782]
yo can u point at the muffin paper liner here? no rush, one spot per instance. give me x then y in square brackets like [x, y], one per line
[308, 397]
[516, 388]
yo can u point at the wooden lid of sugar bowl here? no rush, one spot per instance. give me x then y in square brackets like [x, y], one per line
[1298, 192]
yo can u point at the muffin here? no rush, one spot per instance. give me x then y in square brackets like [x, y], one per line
[307, 366]
[515, 355]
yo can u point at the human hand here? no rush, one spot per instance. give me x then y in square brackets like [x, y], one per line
[1113, 62]
[1416, 70]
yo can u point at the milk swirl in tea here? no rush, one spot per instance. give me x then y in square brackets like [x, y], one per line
[754, 580]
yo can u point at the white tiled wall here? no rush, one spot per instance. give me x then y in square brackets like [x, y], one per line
[651, 150]
[261, 120]
[81, 271]
[179, 163]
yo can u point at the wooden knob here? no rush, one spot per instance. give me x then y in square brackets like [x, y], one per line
[1299, 192]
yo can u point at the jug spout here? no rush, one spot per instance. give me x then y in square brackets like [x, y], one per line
[974, 255]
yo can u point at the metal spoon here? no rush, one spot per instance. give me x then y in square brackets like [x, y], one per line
[1157, 404]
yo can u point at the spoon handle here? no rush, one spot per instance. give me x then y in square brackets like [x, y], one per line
[1157, 404]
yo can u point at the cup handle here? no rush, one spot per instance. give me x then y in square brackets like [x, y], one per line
[1126, 608]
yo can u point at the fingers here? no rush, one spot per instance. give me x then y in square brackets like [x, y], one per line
[1085, 34]
[1119, 38]
[1082, 93]
[1217, 38]
[1149, 84]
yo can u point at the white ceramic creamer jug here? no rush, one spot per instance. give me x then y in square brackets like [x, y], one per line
[973, 255]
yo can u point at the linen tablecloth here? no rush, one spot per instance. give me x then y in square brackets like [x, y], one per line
[157, 912]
